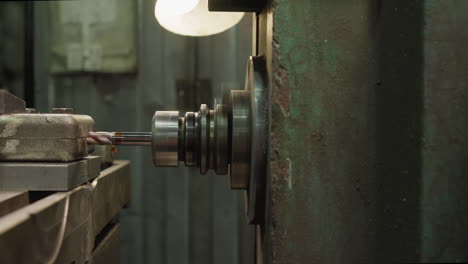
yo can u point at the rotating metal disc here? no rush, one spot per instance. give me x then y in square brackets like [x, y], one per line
[240, 139]
[189, 139]
[204, 135]
[257, 85]
[221, 140]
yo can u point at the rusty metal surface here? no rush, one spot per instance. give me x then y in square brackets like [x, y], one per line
[368, 153]
[44, 137]
[322, 179]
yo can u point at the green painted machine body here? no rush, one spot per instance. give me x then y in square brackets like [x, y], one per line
[368, 153]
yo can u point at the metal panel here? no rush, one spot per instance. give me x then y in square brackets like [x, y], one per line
[444, 146]
[368, 154]
[323, 82]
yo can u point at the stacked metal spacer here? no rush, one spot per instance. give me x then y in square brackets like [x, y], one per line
[197, 139]
[205, 138]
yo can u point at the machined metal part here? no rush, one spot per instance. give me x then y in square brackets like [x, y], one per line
[120, 138]
[189, 133]
[233, 136]
[241, 136]
[222, 144]
[257, 84]
[132, 138]
[165, 138]
[202, 139]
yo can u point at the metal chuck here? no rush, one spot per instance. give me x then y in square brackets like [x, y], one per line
[208, 139]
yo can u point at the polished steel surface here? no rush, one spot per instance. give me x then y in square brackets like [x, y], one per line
[165, 137]
[120, 138]
[257, 85]
[132, 138]
[211, 140]
[221, 156]
[189, 132]
[203, 139]
[241, 135]
[204, 134]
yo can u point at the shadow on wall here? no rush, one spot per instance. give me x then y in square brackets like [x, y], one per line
[399, 130]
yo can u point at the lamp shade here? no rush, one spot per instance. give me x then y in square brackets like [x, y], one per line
[192, 18]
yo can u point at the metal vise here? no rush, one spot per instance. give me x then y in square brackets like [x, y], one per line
[29, 136]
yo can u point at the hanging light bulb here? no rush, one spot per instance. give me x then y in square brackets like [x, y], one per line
[192, 18]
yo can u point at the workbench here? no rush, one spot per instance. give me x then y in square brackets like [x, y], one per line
[77, 226]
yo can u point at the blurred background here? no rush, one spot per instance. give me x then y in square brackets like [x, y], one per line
[112, 60]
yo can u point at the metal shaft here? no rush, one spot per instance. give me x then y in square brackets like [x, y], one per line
[120, 138]
[216, 139]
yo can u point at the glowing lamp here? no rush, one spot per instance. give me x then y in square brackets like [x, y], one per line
[192, 18]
